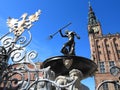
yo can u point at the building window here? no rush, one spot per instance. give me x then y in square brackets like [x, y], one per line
[93, 51]
[117, 87]
[108, 57]
[102, 67]
[118, 59]
[108, 52]
[116, 44]
[98, 46]
[105, 86]
[99, 52]
[118, 51]
[111, 63]
[107, 45]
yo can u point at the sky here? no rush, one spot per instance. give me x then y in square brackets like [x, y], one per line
[57, 13]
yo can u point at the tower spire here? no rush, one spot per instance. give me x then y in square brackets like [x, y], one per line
[92, 21]
[94, 26]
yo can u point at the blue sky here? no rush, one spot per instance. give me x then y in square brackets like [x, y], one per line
[56, 14]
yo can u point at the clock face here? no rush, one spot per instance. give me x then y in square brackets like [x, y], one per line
[114, 70]
[96, 29]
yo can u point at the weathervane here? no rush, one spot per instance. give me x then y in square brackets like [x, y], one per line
[18, 26]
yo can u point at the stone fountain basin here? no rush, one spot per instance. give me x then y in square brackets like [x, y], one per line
[85, 65]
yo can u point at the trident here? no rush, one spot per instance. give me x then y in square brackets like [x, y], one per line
[51, 36]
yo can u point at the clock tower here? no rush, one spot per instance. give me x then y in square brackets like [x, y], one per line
[105, 51]
[94, 26]
[94, 30]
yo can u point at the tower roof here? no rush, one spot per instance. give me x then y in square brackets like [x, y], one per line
[91, 17]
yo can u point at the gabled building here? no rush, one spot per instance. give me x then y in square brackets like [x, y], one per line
[105, 51]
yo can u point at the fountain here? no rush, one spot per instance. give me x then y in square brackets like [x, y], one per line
[70, 67]
[57, 72]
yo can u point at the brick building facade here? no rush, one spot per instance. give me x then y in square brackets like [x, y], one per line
[105, 51]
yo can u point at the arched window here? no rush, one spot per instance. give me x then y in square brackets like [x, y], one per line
[117, 87]
[105, 86]
[116, 45]
[108, 48]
